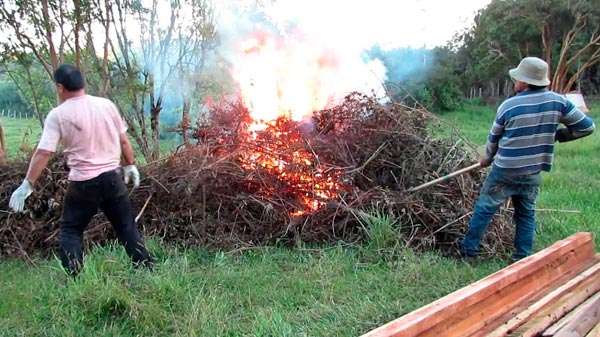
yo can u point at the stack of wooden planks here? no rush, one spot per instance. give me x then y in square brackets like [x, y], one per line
[555, 292]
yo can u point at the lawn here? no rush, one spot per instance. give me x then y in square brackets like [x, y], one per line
[21, 135]
[342, 290]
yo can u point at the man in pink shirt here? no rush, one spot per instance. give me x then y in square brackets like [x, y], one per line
[93, 137]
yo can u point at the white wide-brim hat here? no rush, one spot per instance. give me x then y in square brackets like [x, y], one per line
[531, 70]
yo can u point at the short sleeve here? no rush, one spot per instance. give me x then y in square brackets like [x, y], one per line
[50, 133]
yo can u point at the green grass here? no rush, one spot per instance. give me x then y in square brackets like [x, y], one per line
[21, 135]
[344, 290]
[267, 291]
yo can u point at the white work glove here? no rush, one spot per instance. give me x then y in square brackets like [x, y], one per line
[131, 173]
[17, 199]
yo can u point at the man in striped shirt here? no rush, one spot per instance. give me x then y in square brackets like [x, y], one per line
[520, 145]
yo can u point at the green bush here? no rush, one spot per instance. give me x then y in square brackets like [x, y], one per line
[446, 96]
[433, 95]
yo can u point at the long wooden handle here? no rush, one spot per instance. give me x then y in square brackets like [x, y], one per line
[446, 177]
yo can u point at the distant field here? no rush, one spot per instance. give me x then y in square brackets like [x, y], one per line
[20, 134]
[24, 134]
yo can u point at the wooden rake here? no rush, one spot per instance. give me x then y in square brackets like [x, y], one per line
[444, 178]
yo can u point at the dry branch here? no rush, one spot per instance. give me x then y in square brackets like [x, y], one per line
[209, 196]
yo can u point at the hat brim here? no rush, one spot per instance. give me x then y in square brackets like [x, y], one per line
[517, 75]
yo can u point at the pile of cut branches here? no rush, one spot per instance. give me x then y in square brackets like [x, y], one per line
[322, 181]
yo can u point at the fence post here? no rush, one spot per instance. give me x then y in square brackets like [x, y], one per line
[3, 147]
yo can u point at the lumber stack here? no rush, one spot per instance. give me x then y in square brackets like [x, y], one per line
[555, 292]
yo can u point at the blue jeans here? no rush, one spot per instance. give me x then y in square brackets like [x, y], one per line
[83, 198]
[523, 191]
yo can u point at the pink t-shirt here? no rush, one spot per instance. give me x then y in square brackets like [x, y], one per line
[89, 128]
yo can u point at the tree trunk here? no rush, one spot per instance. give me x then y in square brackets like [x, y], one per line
[155, 127]
[547, 44]
[508, 88]
[563, 80]
[185, 120]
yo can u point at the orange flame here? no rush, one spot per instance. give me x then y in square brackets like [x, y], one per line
[278, 80]
[282, 83]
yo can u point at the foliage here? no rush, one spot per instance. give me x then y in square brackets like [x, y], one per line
[564, 33]
[133, 68]
[420, 77]
[30, 83]
[9, 97]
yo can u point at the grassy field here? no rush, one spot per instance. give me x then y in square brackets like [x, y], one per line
[21, 134]
[272, 291]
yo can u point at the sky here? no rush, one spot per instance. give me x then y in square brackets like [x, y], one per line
[391, 23]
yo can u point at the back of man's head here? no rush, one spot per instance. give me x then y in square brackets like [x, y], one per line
[69, 77]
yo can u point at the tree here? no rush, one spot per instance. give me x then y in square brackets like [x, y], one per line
[31, 82]
[45, 32]
[580, 49]
[191, 68]
[500, 37]
[135, 76]
[563, 32]
[170, 53]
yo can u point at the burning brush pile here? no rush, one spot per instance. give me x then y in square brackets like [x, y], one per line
[283, 181]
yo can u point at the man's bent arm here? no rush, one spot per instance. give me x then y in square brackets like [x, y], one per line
[127, 150]
[37, 164]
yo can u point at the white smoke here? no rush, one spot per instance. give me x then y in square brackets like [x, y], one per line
[348, 28]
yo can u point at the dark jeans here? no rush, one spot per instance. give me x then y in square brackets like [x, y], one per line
[83, 198]
[523, 191]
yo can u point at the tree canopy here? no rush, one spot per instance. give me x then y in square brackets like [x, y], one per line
[565, 33]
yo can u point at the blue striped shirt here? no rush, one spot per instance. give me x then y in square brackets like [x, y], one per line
[521, 140]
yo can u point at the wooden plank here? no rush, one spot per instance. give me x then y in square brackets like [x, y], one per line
[595, 331]
[582, 282]
[470, 308]
[478, 318]
[584, 320]
[553, 329]
[546, 317]
[516, 296]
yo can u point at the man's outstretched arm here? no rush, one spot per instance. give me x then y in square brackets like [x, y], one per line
[37, 164]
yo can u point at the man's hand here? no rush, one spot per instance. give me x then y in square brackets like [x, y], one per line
[485, 162]
[17, 199]
[131, 173]
[564, 135]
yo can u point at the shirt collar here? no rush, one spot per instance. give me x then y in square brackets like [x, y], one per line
[530, 92]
